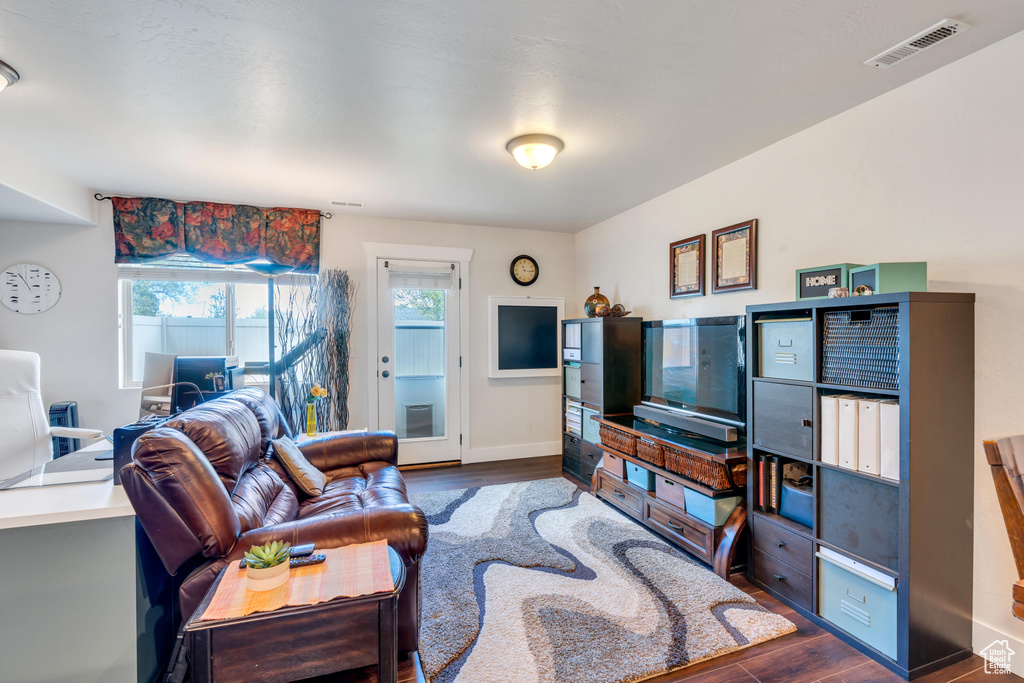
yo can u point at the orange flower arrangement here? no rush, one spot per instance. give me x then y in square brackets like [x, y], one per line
[316, 393]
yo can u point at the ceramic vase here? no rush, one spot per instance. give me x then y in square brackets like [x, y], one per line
[310, 419]
[595, 303]
[267, 579]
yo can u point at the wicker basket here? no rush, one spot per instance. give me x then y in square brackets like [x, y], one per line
[651, 452]
[712, 474]
[862, 348]
[619, 441]
[739, 474]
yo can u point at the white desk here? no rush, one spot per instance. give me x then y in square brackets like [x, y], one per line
[24, 507]
[72, 603]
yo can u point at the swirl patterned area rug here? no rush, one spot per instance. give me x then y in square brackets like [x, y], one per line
[539, 581]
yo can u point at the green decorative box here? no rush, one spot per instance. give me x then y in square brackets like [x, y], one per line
[591, 430]
[886, 278]
[861, 604]
[713, 511]
[814, 283]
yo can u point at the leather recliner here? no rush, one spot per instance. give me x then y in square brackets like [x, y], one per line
[203, 485]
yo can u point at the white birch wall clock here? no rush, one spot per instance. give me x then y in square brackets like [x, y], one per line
[29, 288]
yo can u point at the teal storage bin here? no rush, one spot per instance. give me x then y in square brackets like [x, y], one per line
[713, 511]
[859, 600]
[886, 278]
[572, 381]
[639, 476]
[591, 430]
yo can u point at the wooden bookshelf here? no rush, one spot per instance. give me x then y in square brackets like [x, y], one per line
[601, 360]
[917, 531]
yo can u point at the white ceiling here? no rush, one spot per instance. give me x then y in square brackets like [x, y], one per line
[407, 106]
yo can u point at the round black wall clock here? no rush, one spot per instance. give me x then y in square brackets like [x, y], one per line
[524, 270]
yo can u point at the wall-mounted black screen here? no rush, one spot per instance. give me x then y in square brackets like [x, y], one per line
[527, 337]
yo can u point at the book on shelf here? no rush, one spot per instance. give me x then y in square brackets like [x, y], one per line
[867, 437]
[861, 433]
[760, 483]
[889, 439]
[776, 483]
[848, 412]
[829, 416]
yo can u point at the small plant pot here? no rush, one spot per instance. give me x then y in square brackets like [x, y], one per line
[267, 579]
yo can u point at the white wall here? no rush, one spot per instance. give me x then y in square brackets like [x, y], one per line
[931, 171]
[77, 339]
[508, 417]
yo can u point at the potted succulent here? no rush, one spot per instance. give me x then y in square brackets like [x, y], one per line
[267, 566]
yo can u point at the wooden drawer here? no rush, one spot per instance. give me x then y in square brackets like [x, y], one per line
[782, 578]
[591, 379]
[689, 533]
[590, 457]
[783, 415]
[614, 465]
[622, 495]
[783, 544]
[668, 491]
[571, 455]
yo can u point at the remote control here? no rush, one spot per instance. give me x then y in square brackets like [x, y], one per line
[302, 550]
[308, 561]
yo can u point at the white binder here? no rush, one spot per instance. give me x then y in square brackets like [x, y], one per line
[868, 437]
[889, 439]
[829, 430]
[848, 409]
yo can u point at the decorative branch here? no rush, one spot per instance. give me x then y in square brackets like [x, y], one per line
[326, 305]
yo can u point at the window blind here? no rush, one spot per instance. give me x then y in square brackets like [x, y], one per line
[186, 269]
[418, 275]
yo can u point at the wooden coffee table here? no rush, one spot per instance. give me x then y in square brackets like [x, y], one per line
[293, 643]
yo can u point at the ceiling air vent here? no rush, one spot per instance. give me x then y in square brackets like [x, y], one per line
[944, 30]
[354, 205]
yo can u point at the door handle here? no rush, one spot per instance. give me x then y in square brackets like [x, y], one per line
[780, 577]
[673, 526]
[782, 544]
[385, 374]
[619, 494]
[807, 423]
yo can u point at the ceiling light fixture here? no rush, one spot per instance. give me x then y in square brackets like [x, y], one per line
[534, 151]
[8, 76]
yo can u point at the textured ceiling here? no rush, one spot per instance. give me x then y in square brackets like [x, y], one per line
[407, 106]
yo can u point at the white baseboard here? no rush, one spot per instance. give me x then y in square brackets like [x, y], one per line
[984, 635]
[525, 450]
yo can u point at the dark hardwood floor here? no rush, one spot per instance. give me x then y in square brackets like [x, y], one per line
[811, 654]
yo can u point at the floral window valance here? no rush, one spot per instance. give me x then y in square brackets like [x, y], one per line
[146, 229]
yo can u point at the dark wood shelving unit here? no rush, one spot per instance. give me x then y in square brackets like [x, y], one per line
[924, 541]
[607, 357]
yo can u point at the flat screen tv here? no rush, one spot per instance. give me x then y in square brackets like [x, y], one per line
[697, 367]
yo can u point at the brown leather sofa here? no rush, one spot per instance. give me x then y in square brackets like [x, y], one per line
[203, 486]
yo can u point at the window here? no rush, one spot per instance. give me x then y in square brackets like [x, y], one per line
[188, 308]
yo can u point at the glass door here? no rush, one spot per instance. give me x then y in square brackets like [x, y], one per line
[418, 358]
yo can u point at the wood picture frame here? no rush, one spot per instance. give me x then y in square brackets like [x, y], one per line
[686, 267]
[735, 255]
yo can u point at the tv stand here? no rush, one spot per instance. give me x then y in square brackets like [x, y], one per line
[687, 423]
[681, 508]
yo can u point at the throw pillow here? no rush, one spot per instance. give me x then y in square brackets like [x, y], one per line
[306, 477]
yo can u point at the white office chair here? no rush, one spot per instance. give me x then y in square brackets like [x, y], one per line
[25, 432]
